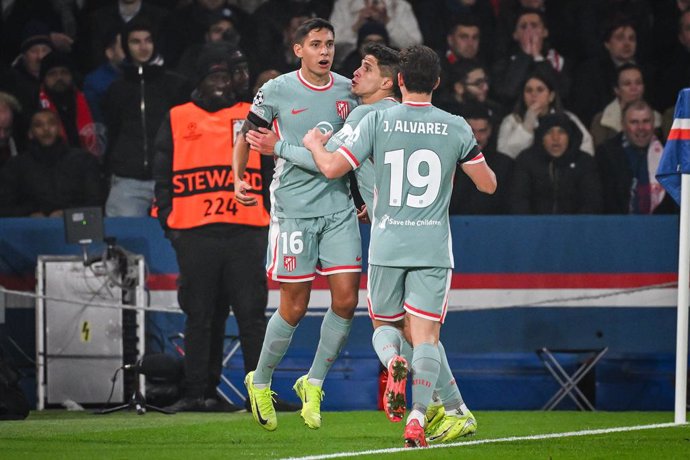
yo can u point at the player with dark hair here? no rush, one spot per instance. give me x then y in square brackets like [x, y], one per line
[314, 227]
[417, 149]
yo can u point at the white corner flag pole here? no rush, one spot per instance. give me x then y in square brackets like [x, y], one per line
[683, 298]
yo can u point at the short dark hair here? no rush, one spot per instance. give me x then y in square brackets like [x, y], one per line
[524, 11]
[616, 22]
[388, 60]
[309, 25]
[461, 69]
[464, 20]
[627, 66]
[420, 67]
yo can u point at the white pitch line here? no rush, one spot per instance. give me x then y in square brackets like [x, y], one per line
[535, 437]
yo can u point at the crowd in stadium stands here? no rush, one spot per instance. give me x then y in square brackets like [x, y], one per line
[570, 100]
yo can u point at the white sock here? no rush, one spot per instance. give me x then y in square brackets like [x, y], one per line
[261, 386]
[317, 382]
[416, 415]
[463, 409]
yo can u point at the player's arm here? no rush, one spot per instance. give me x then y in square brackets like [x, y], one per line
[331, 166]
[481, 174]
[267, 142]
[240, 156]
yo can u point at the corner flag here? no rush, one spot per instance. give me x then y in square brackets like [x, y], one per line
[673, 174]
[676, 157]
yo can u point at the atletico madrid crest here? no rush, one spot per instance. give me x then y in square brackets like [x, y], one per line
[343, 109]
[289, 263]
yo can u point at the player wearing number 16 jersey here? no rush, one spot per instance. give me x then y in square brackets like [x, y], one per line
[314, 226]
[416, 148]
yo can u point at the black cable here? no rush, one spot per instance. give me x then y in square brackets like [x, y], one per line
[112, 390]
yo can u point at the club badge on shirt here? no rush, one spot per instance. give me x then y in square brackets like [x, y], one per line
[343, 109]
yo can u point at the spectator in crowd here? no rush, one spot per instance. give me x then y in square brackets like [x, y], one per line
[437, 19]
[462, 44]
[629, 87]
[554, 176]
[531, 51]
[100, 22]
[469, 81]
[134, 107]
[278, 25]
[9, 110]
[466, 199]
[674, 74]
[220, 28]
[49, 176]
[98, 81]
[22, 80]
[539, 98]
[370, 32]
[21, 18]
[188, 25]
[595, 79]
[221, 253]
[397, 16]
[628, 164]
[462, 41]
[275, 51]
[60, 94]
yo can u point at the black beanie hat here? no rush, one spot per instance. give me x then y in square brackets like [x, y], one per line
[35, 33]
[372, 28]
[214, 57]
[55, 59]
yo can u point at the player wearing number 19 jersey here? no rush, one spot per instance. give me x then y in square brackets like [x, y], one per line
[416, 148]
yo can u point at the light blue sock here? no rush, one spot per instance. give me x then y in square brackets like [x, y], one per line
[334, 332]
[426, 363]
[387, 342]
[276, 342]
[446, 386]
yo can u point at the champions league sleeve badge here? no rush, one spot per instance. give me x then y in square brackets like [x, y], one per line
[259, 98]
[342, 107]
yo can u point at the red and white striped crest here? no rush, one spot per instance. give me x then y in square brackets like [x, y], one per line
[343, 109]
[289, 263]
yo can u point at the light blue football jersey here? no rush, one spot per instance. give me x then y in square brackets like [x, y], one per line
[365, 173]
[293, 106]
[416, 148]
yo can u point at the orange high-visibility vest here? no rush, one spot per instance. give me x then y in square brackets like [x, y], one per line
[202, 182]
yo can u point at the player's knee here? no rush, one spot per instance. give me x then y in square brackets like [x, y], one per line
[292, 313]
[344, 305]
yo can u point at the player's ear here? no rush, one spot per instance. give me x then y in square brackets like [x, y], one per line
[297, 49]
[438, 82]
[387, 83]
[401, 82]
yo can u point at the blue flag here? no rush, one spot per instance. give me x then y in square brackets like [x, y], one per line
[676, 157]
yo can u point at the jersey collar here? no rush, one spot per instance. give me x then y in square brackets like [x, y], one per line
[417, 104]
[314, 87]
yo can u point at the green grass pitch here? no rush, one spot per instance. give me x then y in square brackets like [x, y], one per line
[125, 435]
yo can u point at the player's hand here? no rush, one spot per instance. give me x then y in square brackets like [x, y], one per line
[315, 138]
[241, 196]
[363, 214]
[262, 140]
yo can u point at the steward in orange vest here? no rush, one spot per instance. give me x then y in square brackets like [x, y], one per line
[220, 246]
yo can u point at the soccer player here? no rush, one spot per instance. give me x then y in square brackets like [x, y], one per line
[313, 224]
[416, 149]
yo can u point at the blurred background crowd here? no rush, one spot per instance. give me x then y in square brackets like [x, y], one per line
[570, 100]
